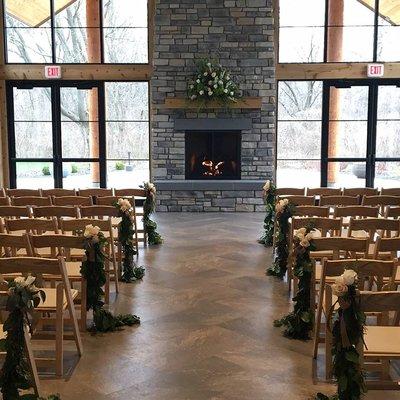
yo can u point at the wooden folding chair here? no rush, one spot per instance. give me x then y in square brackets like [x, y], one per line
[37, 226]
[365, 191]
[58, 192]
[390, 192]
[15, 212]
[2, 192]
[56, 211]
[391, 212]
[366, 270]
[23, 192]
[312, 211]
[324, 191]
[27, 343]
[333, 201]
[346, 212]
[381, 201]
[73, 201]
[389, 249]
[290, 191]
[58, 300]
[31, 201]
[5, 201]
[95, 192]
[77, 227]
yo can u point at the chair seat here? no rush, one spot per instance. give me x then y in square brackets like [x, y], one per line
[382, 340]
[319, 255]
[50, 304]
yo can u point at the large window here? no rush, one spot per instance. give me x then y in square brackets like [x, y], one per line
[338, 31]
[78, 31]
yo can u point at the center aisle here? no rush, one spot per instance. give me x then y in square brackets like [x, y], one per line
[207, 310]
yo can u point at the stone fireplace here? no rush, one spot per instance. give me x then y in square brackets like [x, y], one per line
[213, 159]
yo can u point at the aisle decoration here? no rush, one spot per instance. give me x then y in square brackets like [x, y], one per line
[283, 212]
[299, 323]
[15, 375]
[348, 329]
[212, 82]
[94, 273]
[269, 190]
[149, 206]
[126, 233]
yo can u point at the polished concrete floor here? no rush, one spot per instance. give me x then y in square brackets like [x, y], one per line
[207, 310]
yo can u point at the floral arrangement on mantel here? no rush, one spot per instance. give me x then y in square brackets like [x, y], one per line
[347, 332]
[213, 82]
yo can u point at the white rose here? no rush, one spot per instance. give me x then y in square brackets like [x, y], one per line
[91, 231]
[267, 185]
[215, 86]
[20, 280]
[152, 187]
[232, 93]
[349, 276]
[201, 92]
[209, 65]
[225, 90]
[210, 93]
[191, 86]
[302, 231]
[205, 73]
[305, 242]
[285, 202]
[30, 280]
[220, 83]
[193, 97]
[213, 74]
[278, 207]
[210, 83]
[198, 81]
[339, 289]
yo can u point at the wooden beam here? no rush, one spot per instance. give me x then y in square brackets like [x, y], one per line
[318, 71]
[118, 72]
[179, 103]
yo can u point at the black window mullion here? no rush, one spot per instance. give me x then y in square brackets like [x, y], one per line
[102, 134]
[53, 32]
[326, 31]
[325, 133]
[371, 138]
[101, 31]
[11, 136]
[375, 52]
[57, 145]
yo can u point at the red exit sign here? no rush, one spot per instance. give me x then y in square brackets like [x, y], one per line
[52, 72]
[376, 70]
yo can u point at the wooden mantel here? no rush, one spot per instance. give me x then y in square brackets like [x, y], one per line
[244, 102]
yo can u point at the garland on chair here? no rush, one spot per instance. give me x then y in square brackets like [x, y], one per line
[269, 190]
[94, 273]
[299, 323]
[15, 375]
[347, 332]
[283, 212]
[149, 206]
[126, 232]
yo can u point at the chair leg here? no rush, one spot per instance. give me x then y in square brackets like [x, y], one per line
[59, 330]
[83, 305]
[114, 266]
[32, 363]
[328, 340]
[107, 285]
[317, 328]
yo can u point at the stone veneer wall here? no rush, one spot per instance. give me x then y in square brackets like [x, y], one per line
[239, 34]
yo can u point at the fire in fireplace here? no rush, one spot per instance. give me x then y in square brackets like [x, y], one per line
[213, 155]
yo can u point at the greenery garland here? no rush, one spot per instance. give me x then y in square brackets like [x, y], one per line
[299, 323]
[94, 272]
[348, 329]
[269, 190]
[283, 212]
[15, 375]
[149, 206]
[126, 232]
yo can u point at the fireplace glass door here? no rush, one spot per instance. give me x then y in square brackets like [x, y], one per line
[213, 155]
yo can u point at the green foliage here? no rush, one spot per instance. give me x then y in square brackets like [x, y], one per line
[150, 227]
[119, 166]
[212, 82]
[268, 236]
[279, 266]
[104, 321]
[74, 169]
[46, 170]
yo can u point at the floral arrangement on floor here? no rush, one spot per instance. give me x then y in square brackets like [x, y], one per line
[299, 323]
[212, 82]
[15, 375]
[348, 329]
[94, 273]
[126, 232]
[269, 190]
[283, 212]
[149, 206]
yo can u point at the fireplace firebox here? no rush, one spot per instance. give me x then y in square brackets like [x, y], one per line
[212, 155]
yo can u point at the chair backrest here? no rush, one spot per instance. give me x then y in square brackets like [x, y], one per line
[391, 245]
[390, 191]
[377, 302]
[10, 244]
[35, 225]
[106, 200]
[98, 211]
[356, 211]
[324, 191]
[73, 201]
[23, 192]
[99, 192]
[299, 200]
[56, 211]
[360, 191]
[31, 201]
[339, 201]
[2, 192]
[392, 212]
[58, 192]
[384, 227]
[381, 201]
[60, 244]
[130, 192]
[79, 224]
[365, 268]
[15, 211]
[323, 224]
[5, 201]
[290, 191]
[350, 246]
[31, 265]
[312, 211]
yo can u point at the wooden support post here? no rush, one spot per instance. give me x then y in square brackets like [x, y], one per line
[334, 54]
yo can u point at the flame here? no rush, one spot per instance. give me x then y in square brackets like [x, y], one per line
[213, 169]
